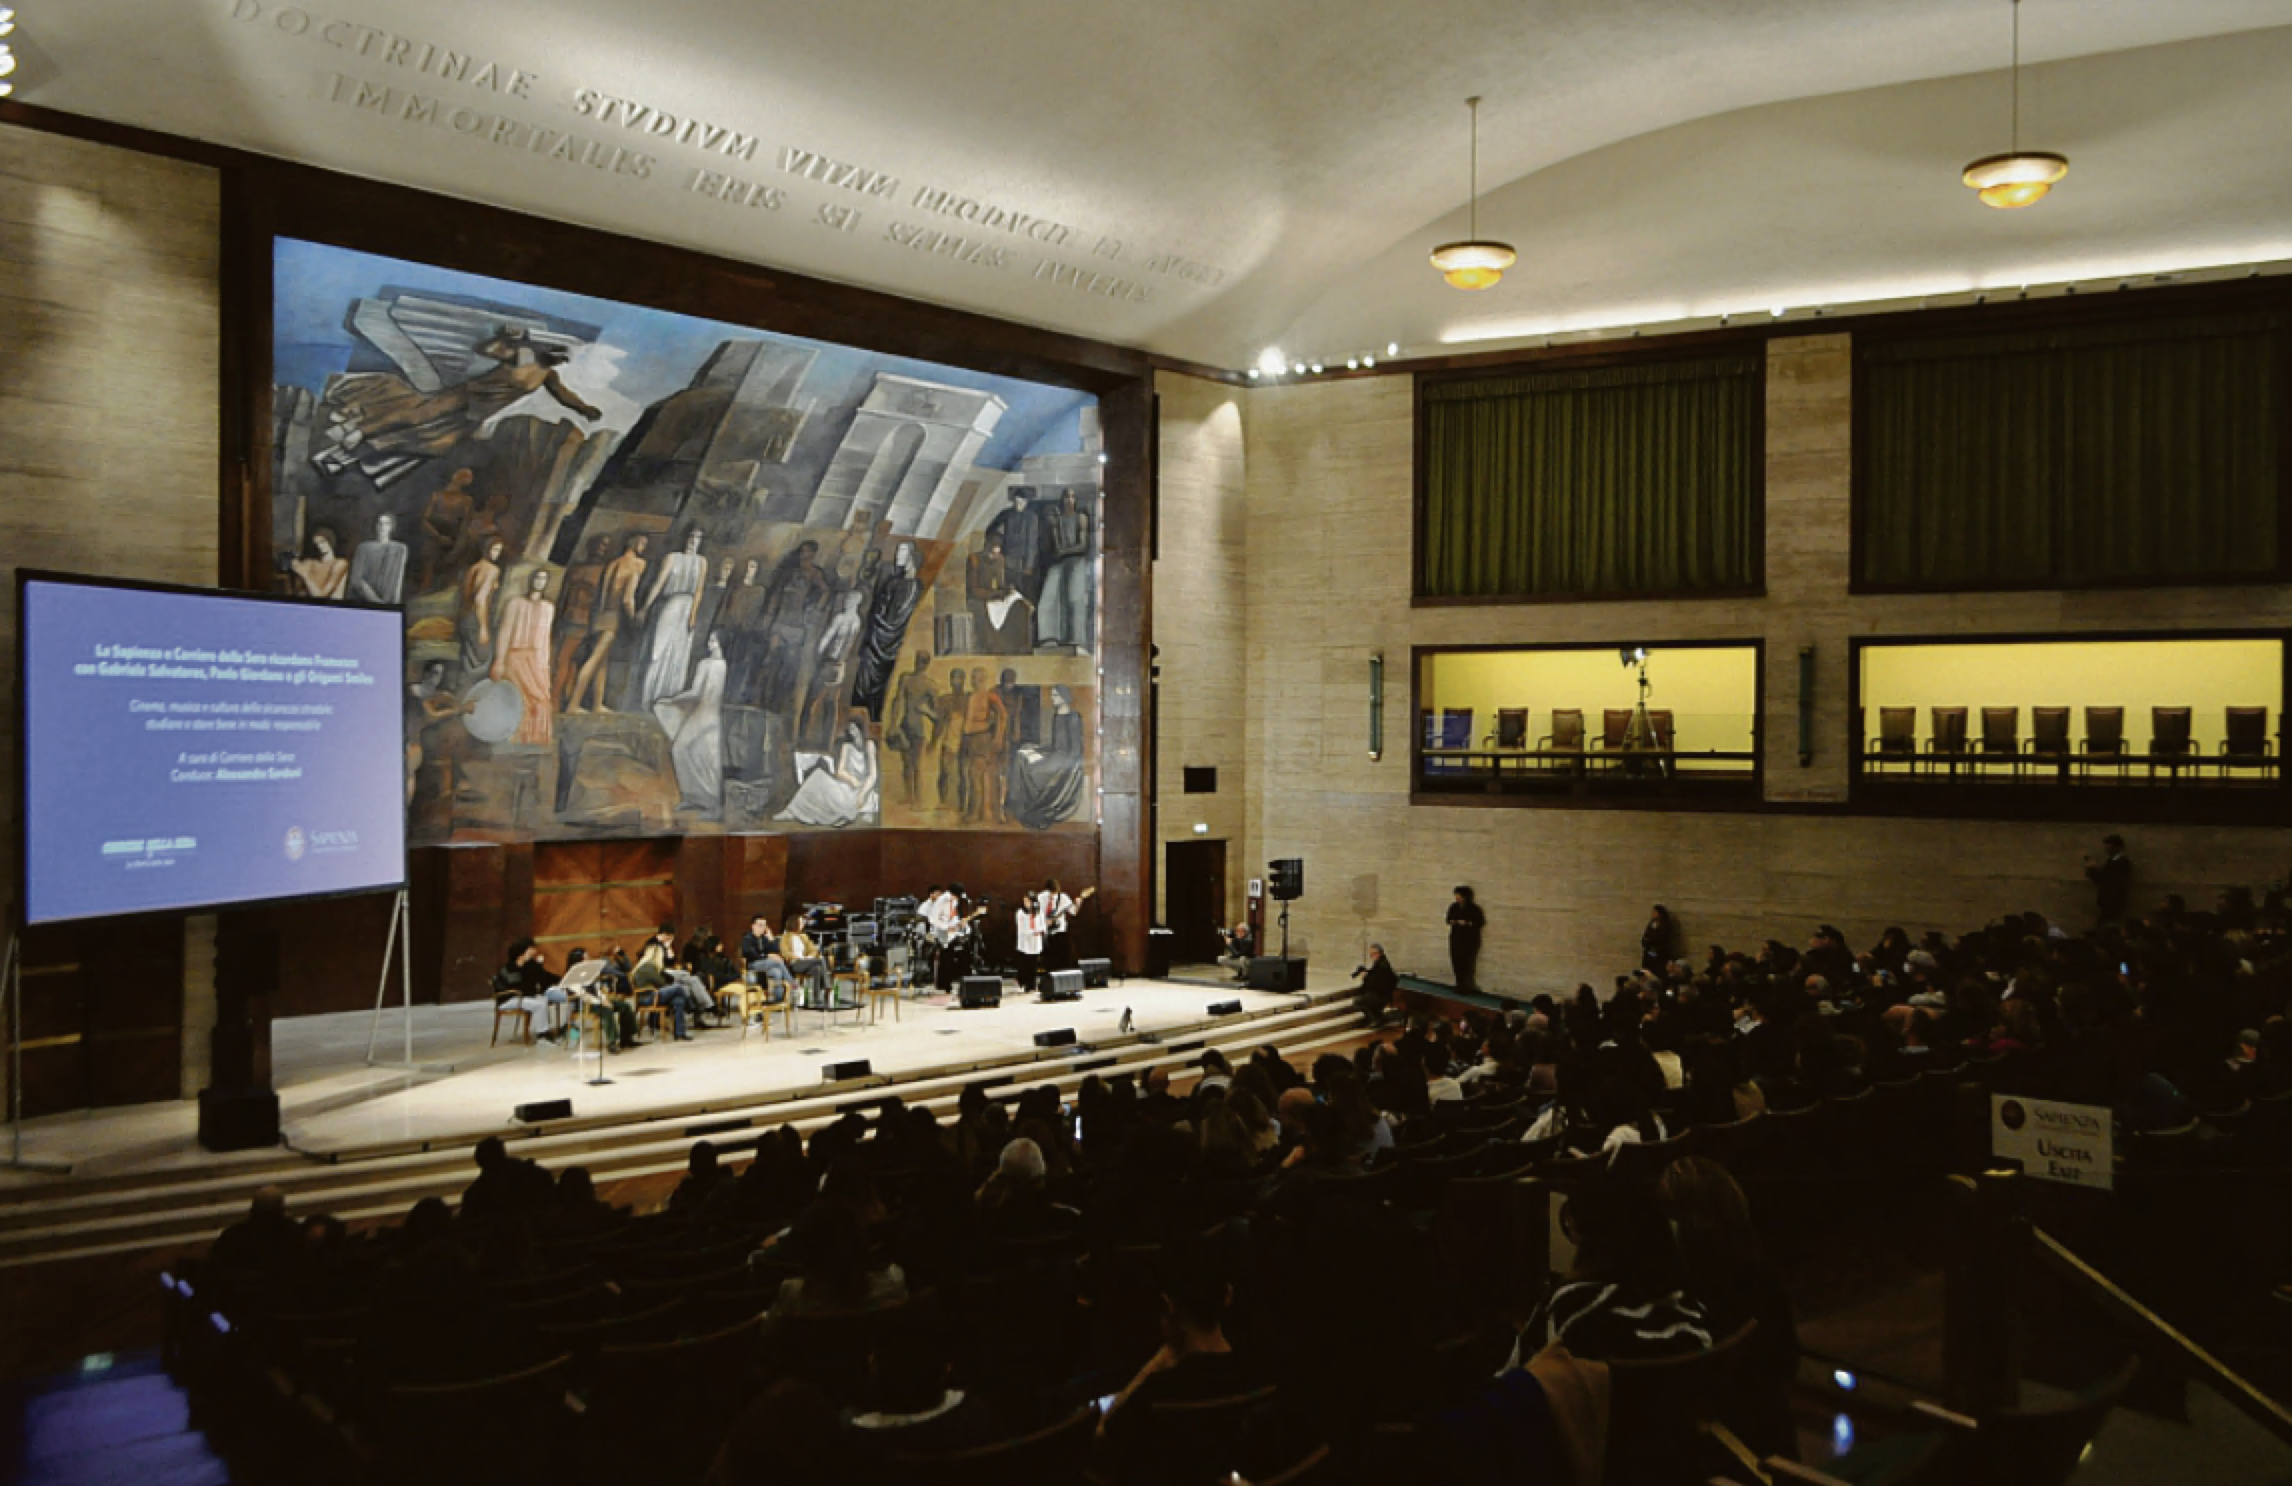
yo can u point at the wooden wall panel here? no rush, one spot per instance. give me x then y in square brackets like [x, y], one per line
[757, 882]
[103, 1014]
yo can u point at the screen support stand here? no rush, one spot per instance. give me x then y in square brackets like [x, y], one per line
[400, 942]
[12, 969]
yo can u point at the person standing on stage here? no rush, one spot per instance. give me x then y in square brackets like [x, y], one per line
[1057, 910]
[1465, 921]
[1029, 922]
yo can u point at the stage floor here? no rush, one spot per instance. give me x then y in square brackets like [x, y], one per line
[332, 1101]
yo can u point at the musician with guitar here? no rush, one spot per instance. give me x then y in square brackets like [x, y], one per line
[1058, 912]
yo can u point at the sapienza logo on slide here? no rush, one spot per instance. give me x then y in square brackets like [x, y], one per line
[296, 843]
[318, 843]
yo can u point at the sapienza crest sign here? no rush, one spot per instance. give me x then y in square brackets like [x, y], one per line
[2054, 1142]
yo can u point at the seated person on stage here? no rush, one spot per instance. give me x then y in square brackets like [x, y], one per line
[802, 957]
[1374, 995]
[525, 980]
[594, 984]
[704, 956]
[1240, 946]
[760, 952]
[653, 980]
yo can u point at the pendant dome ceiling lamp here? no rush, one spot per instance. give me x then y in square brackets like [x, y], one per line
[1474, 263]
[2018, 177]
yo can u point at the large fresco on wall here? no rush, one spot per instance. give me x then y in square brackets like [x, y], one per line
[666, 575]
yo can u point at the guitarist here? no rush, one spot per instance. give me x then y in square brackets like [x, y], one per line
[1058, 910]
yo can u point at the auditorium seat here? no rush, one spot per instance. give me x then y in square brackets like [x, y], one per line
[1648, 1160]
[1661, 1409]
[2039, 1444]
[1051, 1456]
[492, 1432]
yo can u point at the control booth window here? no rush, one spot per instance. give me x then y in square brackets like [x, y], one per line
[1626, 723]
[2172, 721]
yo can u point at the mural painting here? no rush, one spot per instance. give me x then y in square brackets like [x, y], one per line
[666, 575]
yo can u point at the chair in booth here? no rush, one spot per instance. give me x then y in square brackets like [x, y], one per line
[1615, 729]
[1947, 742]
[1511, 731]
[2244, 742]
[1567, 736]
[1897, 736]
[2049, 738]
[2170, 745]
[2001, 737]
[1659, 723]
[2104, 739]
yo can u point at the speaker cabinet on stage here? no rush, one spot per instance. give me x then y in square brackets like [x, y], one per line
[1097, 975]
[238, 1119]
[1285, 879]
[544, 1109]
[1063, 1037]
[978, 992]
[1064, 985]
[1273, 973]
[1159, 942]
[836, 1073]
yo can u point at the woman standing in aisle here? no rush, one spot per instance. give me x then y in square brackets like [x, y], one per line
[1465, 921]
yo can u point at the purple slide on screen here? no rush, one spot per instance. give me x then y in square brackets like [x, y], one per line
[193, 750]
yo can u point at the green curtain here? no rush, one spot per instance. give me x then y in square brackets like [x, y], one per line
[1624, 480]
[2133, 453]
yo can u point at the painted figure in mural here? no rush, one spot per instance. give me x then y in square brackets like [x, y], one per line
[1016, 706]
[375, 419]
[1019, 528]
[841, 791]
[1047, 781]
[473, 612]
[322, 574]
[576, 612]
[616, 606]
[1064, 618]
[893, 608]
[694, 722]
[522, 657]
[792, 603]
[707, 614]
[986, 731]
[428, 703]
[824, 702]
[914, 719]
[444, 517]
[1000, 622]
[947, 741]
[378, 568]
[741, 617]
[671, 609]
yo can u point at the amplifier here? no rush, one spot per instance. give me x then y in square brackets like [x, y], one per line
[1273, 973]
[1063, 985]
[836, 1073]
[1063, 1037]
[544, 1109]
[1097, 975]
[979, 991]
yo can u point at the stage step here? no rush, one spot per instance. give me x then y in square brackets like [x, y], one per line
[121, 1214]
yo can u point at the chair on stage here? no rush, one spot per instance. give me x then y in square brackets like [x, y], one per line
[760, 1003]
[507, 1007]
[889, 986]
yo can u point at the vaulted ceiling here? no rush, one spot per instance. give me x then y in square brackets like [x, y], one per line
[1205, 178]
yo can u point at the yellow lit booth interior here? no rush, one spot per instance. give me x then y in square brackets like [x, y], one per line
[1578, 720]
[2166, 712]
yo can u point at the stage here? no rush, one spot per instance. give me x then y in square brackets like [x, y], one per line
[333, 1105]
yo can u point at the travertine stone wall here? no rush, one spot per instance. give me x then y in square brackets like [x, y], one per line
[108, 382]
[1199, 621]
[1328, 560]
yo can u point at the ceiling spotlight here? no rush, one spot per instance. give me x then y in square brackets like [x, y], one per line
[1352, 363]
[1392, 348]
[2017, 177]
[1298, 369]
[1474, 263]
[1253, 373]
[1317, 368]
[1368, 361]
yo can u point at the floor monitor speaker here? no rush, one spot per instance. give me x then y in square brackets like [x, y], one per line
[1063, 1037]
[238, 1119]
[836, 1073]
[1273, 973]
[1225, 1008]
[1097, 975]
[980, 991]
[1063, 985]
[544, 1109]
